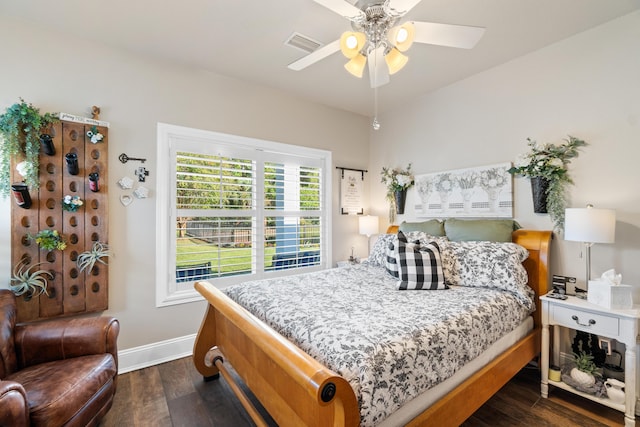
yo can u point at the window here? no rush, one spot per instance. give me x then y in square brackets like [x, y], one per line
[232, 209]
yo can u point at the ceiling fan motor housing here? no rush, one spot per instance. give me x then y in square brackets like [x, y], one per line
[376, 24]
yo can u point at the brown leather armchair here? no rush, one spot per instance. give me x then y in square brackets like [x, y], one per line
[55, 372]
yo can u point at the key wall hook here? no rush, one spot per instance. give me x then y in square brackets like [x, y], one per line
[124, 158]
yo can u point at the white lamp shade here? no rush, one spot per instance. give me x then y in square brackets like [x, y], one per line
[356, 65]
[590, 225]
[395, 60]
[368, 225]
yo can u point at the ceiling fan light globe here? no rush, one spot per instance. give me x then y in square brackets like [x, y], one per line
[395, 60]
[402, 36]
[351, 43]
[356, 65]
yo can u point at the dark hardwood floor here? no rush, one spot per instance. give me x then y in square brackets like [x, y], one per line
[174, 394]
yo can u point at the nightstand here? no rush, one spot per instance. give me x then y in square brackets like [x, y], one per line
[578, 314]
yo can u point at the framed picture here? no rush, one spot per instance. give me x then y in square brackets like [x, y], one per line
[485, 191]
[351, 192]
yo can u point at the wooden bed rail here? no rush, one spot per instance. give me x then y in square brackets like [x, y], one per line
[292, 386]
[214, 358]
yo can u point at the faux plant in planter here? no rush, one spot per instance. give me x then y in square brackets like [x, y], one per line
[87, 260]
[398, 181]
[49, 240]
[20, 129]
[71, 203]
[549, 163]
[27, 282]
[585, 370]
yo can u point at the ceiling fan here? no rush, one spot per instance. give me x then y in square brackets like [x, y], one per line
[379, 38]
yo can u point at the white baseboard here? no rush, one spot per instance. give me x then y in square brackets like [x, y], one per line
[152, 354]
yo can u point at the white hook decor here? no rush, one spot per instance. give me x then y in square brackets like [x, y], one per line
[141, 192]
[125, 183]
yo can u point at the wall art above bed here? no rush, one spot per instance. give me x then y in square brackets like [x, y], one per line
[485, 191]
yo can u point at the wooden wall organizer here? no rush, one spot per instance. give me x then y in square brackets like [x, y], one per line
[70, 291]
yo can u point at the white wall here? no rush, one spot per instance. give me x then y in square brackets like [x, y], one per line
[587, 86]
[57, 73]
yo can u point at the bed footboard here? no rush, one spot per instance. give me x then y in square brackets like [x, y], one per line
[293, 387]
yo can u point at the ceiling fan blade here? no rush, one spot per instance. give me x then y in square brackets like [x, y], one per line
[378, 71]
[403, 6]
[341, 7]
[461, 36]
[315, 56]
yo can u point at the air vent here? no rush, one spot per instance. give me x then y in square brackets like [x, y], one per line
[302, 42]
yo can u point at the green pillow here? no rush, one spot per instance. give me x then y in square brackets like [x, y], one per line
[433, 227]
[494, 230]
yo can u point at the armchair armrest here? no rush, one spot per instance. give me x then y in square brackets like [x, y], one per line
[65, 338]
[14, 410]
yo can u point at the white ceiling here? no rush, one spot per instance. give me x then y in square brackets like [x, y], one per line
[245, 38]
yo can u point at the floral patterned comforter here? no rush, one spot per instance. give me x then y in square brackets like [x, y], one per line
[390, 345]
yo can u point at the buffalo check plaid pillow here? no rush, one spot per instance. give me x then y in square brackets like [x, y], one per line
[420, 267]
[391, 260]
[391, 255]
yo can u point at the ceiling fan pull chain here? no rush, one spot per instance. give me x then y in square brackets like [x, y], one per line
[376, 123]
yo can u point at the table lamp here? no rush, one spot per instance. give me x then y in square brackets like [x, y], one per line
[589, 225]
[368, 225]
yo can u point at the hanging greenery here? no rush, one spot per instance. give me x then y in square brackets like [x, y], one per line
[20, 129]
[396, 180]
[551, 162]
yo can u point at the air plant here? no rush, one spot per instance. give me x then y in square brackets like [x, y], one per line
[86, 260]
[24, 281]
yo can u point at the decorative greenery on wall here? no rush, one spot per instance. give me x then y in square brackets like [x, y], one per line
[20, 129]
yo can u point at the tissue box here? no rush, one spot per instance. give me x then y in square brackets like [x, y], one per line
[604, 294]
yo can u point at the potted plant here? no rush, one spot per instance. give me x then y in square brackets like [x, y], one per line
[27, 282]
[398, 181]
[585, 368]
[71, 203]
[49, 240]
[86, 260]
[20, 129]
[547, 167]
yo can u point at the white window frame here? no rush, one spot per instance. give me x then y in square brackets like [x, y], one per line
[167, 292]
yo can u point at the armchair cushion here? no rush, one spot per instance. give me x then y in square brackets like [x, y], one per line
[58, 391]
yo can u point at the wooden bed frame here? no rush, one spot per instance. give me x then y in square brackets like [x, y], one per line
[297, 390]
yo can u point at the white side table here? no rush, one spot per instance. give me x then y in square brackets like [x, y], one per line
[578, 314]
